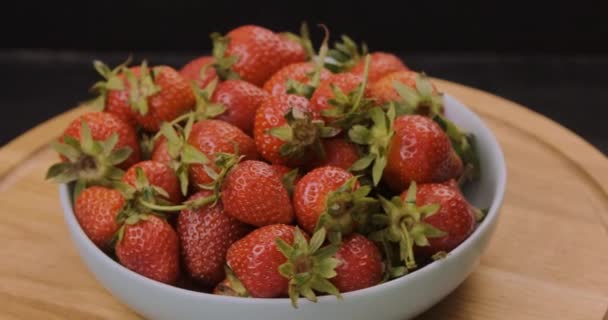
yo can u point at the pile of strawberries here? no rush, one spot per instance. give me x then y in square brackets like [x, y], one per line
[269, 169]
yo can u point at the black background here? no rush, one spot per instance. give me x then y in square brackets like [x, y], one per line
[552, 57]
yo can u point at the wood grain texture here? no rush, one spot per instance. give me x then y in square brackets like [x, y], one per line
[547, 259]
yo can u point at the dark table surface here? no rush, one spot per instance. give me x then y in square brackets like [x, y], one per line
[572, 90]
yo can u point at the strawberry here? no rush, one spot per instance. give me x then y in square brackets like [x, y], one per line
[360, 264]
[158, 175]
[199, 70]
[338, 153]
[419, 151]
[149, 246]
[240, 100]
[282, 81]
[215, 136]
[330, 198]
[101, 126]
[382, 63]
[252, 53]
[160, 151]
[205, 234]
[289, 176]
[91, 147]
[255, 260]
[149, 96]
[413, 92]
[455, 217]
[96, 209]
[341, 99]
[287, 132]
[253, 193]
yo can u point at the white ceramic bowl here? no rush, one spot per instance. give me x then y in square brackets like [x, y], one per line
[401, 298]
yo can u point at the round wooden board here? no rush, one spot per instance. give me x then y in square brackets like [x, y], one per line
[547, 260]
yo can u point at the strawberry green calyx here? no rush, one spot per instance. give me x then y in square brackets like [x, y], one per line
[303, 39]
[181, 152]
[308, 266]
[350, 109]
[422, 99]
[204, 108]
[141, 88]
[345, 208]
[224, 162]
[301, 134]
[111, 81]
[223, 64]
[377, 138]
[307, 89]
[289, 180]
[232, 286]
[403, 223]
[89, 162]
[345, 55]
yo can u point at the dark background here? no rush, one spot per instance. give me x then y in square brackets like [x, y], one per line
[551, 57]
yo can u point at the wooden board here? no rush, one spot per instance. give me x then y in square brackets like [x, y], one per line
[547, 260]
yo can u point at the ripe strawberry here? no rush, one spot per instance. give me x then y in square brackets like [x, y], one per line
[252, 53]
[286, 131]
[205, 234]
[382, 63]
[254, 194]
[159, 175]
[149, 97]
[149, 246]
[340, 101]
[255, 260]
[192, 71]
[102, 125]
[240, 100]
[90, 148]
[338, 153]
[281, 170]
[96, 209]
[300, 72]
[215, 136]
[160, 153]
[292, 49]
[412, 91]
[329, 197]
[419, 151]
[455, 216]
[360, 264]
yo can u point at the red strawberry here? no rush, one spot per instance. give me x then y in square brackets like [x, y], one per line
[254, 194]
[213, 136]
[286, 131]
[149, 246]
[360, 264]
[329, 197]
[292, 50]
[96, 209]
[158, 175]
[414, 92]
[255, 260]
[102, 125]
[150, 96]
[455, 216]
[336, 99]
[281, 170]
[205, 234]
[381, 64]
[240, 100]
[419, 151]
[338, 153]
[192, 71]
[300, 72]
[91, 147]
[252, 53]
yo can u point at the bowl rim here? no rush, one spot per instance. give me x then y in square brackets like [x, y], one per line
[492, 215]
